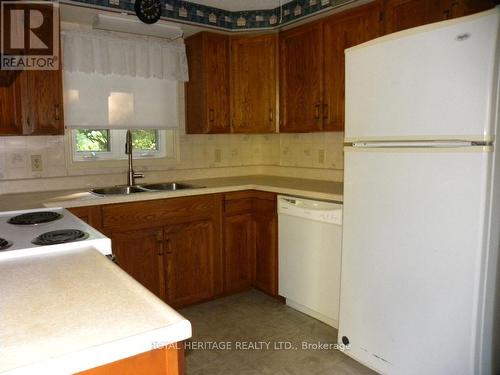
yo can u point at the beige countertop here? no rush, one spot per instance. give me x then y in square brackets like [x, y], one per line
[315, 189]
[69, 311]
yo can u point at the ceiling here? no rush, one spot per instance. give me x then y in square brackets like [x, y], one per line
[237, 5]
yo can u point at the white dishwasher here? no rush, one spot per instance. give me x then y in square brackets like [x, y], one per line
[310, 241]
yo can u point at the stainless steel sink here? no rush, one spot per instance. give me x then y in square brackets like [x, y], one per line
[118, 190]
[170, 186]
[126, 190]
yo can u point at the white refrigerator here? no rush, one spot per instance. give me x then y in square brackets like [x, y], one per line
[419, 286]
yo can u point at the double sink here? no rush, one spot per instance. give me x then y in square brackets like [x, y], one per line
[126, 189]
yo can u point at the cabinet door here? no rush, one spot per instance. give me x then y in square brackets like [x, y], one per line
[238, 252]
[266, 246]
[10, 121]
[405, 14]
[42, 102]
[140, 253]
[207, 91]
[253, 84]
[466, 7]
[195, 101]
[301, 78]
[216, 49]
[342, 31]
[189, 262]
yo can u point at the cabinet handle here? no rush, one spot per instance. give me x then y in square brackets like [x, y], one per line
[159, 236]
[211, 115]
[326, 112]
[159, 239]
[167, 246]
[271, 115]
[57, 112]
[316, 111]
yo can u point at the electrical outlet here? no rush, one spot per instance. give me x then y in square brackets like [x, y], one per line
[36, 163]
[321, 156]
[217, 155]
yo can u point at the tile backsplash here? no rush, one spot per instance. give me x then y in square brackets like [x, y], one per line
[314, 152]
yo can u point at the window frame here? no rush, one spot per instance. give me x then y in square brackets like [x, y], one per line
[117, 138]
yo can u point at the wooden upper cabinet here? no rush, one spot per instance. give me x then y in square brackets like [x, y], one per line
[465, 7]
[33, 104]
[207, 91]
[42, 102]
[253, 84]
[404, 14]
[189, 262]
[341, 31]
[140, 253]
[301, 78]
[10, 110]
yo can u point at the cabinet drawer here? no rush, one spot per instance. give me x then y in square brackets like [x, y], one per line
[145, 213]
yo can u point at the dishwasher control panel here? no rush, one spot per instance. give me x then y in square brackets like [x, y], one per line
[330, 212]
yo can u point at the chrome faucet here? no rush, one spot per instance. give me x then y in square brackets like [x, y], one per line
[131, 175]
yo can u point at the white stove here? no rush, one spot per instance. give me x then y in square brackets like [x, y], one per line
[46, 230]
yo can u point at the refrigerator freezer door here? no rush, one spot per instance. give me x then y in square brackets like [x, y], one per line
[432, 82]
[412, 245]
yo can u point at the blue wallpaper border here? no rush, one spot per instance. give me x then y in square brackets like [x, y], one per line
[185, 11]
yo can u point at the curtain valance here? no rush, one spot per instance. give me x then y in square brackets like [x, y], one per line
[103, 52]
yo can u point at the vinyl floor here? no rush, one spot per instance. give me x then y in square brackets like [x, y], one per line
[251, 333]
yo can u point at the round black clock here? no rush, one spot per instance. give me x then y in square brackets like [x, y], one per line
[148, 11]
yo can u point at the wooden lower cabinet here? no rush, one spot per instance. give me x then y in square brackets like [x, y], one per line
[90, 214]
[250, 242]
[189, 260]
[191, 249]
[171, 246]
[239, 251]
[266, 253]
[166, 361]
[175, 262]
[140, 253]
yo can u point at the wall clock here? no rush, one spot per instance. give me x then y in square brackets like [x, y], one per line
[148, 11]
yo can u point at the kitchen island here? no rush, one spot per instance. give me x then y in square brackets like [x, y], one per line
[75, 311]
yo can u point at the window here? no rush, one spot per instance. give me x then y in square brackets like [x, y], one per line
[109, 144]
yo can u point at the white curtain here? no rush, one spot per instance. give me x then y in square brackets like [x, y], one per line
[104, 52]
[96, 101]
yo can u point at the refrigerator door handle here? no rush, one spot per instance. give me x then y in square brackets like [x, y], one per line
[423, 144]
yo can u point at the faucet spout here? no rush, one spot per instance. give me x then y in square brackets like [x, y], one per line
[128, 143]
[131, 175]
